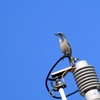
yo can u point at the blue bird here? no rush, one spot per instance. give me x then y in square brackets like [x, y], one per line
[65, 47]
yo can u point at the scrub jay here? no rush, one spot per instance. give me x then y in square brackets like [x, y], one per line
[65, 47]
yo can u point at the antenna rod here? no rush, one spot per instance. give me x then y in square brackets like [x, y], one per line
[62, 93]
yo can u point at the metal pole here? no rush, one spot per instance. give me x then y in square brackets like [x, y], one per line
[62, 93]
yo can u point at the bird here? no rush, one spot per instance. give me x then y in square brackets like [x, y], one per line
[65, 47]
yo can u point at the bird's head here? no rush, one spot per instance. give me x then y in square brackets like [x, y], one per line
[60, 35]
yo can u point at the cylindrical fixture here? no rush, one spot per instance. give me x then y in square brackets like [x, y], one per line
[86, 78]
[92, 95]
[62, 93]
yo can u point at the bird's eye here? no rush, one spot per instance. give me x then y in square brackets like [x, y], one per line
[60, 34]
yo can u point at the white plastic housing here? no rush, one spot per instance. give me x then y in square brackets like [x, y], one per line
[81, 64]
[87, 80]
[92, 95]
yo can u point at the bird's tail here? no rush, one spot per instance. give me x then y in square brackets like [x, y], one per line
[71, 60]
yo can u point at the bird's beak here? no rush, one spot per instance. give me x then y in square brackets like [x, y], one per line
[56, 34]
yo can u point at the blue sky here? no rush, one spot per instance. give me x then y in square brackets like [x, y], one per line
[28, 47]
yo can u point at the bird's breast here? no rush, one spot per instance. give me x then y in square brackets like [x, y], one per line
[65, 47]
